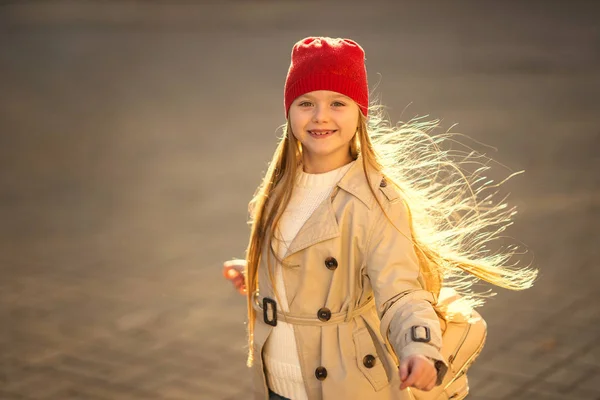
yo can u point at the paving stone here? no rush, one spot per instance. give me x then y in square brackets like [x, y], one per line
[499, 387]
[536, 395]
[571, 374]
[554, 390]
[590, 381]
[478, 378]
[13, 396]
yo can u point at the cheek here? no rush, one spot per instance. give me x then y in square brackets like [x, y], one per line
[350, 123]
[294, 135]
[295, 130]
[298, 126]
[295, 121]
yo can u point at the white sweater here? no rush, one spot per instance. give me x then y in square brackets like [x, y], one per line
[280, 352]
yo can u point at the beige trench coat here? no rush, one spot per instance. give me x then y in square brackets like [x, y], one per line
[346, 255]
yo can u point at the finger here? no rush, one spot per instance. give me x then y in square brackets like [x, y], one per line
[242, 289]
[410, 380]
[423, 382]
[418, 377]
[233, 265]
[232, 273]
[403, 371]
[428, 381]
[431, 385]
[239, 278]
[237, 282]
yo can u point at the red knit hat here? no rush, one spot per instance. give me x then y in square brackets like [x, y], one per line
[322, 63]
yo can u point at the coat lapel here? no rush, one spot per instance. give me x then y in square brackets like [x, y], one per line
[321, 225]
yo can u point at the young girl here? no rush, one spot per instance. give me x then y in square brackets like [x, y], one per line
[354, 229]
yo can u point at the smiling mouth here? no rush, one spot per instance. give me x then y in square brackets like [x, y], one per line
[321, 133]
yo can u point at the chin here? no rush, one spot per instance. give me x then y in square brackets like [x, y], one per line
[320, 152]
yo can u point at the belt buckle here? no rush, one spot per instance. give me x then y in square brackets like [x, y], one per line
[416, 337]
[266, 302]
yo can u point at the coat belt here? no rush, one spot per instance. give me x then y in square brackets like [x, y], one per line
[303, 319]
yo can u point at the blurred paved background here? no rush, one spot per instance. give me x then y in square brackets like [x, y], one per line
[132, 135]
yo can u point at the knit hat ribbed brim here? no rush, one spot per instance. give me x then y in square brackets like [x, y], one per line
[322, 63]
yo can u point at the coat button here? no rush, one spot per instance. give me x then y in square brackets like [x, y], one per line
[369, 361]
[331, 263]
[383, 183]
[321, 373]
[324, 314]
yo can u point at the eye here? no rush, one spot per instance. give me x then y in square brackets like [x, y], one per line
[305, 104]
[338, 104]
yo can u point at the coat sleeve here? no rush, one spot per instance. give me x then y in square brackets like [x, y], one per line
[403, 305]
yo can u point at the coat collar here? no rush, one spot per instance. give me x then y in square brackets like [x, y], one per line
[355, 182]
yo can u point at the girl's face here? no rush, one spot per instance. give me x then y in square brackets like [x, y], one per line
[324, 122]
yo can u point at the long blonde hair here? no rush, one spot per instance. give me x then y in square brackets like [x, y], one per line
[453, 212]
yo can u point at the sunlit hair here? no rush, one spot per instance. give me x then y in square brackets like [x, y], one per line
[454, 213]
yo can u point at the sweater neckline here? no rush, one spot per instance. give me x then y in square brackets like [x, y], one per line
[326, 179]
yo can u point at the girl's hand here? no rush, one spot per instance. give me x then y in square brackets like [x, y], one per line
[233, 271]
[419, 372]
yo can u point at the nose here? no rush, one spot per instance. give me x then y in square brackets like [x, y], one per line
[320, 114]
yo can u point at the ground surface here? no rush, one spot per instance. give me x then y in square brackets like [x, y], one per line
[133, 134]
